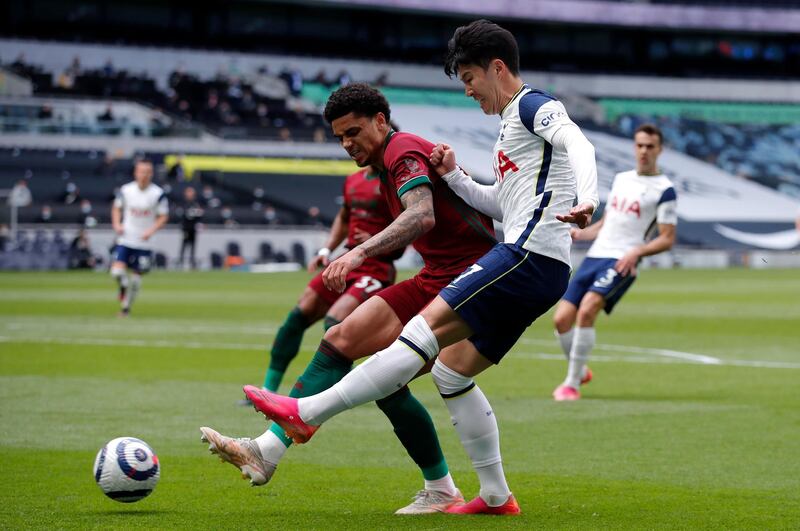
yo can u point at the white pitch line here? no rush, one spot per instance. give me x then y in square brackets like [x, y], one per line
[666, 360]
[110, 342]
[139, 326]
[198, 345]
[688, 356]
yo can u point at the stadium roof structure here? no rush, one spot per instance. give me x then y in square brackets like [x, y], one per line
[756, 18]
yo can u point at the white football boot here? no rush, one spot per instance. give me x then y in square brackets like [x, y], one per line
[243, 453]
[431, 501]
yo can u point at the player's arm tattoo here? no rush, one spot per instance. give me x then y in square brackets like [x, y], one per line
[417, 219]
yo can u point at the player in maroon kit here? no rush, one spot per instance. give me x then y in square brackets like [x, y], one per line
[363, 214]
[448, 234]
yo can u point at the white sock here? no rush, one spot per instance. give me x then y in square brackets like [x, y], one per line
[582, 344]
[133, 290]
[444, 484]
[381, 375]
[272, 448]
[566, 341]
[476, 425]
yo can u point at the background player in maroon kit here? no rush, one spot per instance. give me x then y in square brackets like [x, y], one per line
[448, 234]
[363, 214]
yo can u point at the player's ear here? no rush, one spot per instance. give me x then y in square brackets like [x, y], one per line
[498, 66]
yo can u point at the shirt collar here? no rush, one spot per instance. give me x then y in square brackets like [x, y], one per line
[514, 97]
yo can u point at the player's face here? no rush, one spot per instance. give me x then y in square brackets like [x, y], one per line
[143, 174]
[361, 136]
[481, 85]
[648, 148]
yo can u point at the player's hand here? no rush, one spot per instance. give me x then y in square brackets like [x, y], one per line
[146, 235]
[443, 159]
[317, 262]
[335, 275]
[581, 215]
[119, 230]
[627, 264]
[360, 235]
[575, 234]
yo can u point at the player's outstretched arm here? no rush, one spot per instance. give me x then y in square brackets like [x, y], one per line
[663, 242]
[481, 197]
[417, 219]
[341, 224]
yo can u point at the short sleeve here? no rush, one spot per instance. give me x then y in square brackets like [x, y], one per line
[667, 209]
[163, 205]
[408, 171]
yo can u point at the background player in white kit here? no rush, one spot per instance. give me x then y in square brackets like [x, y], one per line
[138, 212]
[639, 201]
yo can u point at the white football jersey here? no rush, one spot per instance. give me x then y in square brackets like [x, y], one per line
[635, 206]
[535, 177]
[140, 208]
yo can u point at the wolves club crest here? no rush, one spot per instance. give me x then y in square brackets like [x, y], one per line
[411, 164]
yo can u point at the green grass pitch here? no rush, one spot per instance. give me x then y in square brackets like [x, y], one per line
[692, 422]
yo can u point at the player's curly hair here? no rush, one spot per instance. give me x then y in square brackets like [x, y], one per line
[478, 43]
[358, 98]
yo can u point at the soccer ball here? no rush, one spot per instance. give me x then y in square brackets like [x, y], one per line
[126, 469]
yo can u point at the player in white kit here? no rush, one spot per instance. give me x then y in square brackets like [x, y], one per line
[640, 200]
[138, 212]
[543, 164]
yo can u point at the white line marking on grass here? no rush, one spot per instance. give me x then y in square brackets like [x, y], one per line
[111, 342]
[139, 326]
[688, 356]
[665, 360]
[202, 345]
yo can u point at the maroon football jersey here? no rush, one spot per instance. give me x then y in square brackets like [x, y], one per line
[364, 199]
[461, 235]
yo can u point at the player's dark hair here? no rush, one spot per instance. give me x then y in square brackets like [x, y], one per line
[356, 98]
[478, 43]
[142, 159]
[650, 129]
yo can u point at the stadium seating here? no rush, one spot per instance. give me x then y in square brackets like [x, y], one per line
[74, 185]
[229, 106]
[764, 153]
[35, 252]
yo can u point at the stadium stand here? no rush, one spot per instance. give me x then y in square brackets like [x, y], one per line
[80, 111]
[74, 185]
[229, 106]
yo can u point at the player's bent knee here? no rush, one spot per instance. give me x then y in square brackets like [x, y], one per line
[587, 313]
[306, 304]
[339, 337]
[564, 318]
[563, 322]
[311, 305]
[464, 359]
[449, 381]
